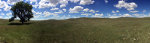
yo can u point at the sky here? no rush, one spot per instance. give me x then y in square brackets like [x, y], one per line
[66, 9]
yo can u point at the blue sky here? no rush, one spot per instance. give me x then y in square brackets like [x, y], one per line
[65, 9]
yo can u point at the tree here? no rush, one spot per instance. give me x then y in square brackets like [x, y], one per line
[22, 10]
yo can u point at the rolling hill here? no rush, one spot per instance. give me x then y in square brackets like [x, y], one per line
[81, 30]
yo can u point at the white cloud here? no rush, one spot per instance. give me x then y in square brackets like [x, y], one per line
[128, 6]
[141, 15]
[2, 14]
[97, 15]
[37, 16]
[64, 10]
[136, 14]
[12, 2]
[76, 9]
[35, 5]
[97, 11]
[48, 3]
[114, 16]
[106, 1]
[83, 2]
[0, 9]
[86, 2]
[54, 9]
[86, 10]
[4, 6]
[63, 2]
[46, 14]
[92, 11]
[126, 15]
[33, 0]
[134, 11]
[75, 1]
[37, 13]
[52, 3]
[117, 11]
[118, 16]
[7, 8]
[59, 12]
[113, 11]
[63, 5]
[9, 14]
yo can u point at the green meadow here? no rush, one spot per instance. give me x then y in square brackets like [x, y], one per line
[81, 30]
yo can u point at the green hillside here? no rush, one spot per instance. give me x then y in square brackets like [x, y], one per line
[81, 30]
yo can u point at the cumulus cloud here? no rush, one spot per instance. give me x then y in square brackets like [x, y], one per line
[2, 14]
[89, 10]
[113, 12]
[12, 2]
[59, 12]
[92, 11]
[64, 10]
[54, 9]
[128, 6]
[8, 14]
[86, 2]
[7, 8]
[63, 1]
[106, 1]
[33, 0]
[1, 17]
[48, 3]
[52, 3]
[97, 11]
[126, 15]
[46, 14]
[83, 2]
[134, 11]
[76, 9]
[35, 5]
[4, 6]
[37, 13]
[0, 9]
[86, 10]
[63, 5]
[114, 16]
[141, 15]
[97, 15]
[119, 15]
[117, 11]
[75, 1]
[136, 15]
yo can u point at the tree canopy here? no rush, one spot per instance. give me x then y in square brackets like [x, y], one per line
[22, 10]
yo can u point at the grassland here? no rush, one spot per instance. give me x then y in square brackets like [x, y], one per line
[81, 30]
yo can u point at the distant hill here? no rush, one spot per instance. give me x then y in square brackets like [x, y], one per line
[80, 30]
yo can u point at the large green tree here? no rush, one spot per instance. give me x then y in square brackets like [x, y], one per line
[22, 10]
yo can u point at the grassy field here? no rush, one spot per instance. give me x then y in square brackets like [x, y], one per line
[81, 30]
